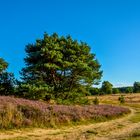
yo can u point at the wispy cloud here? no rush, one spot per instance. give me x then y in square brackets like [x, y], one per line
[122, 85]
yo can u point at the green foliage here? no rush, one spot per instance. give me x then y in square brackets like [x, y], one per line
[83, 90]
[96, 101]
[73, 97]
[35, 92]
[106, 87]
[129, 90]
[7, 80]
[61, 63]
[121, 99]
[125, 89]
[73, 101]
[136, 87]
[115, 91]
[3, 65]
[94, 91]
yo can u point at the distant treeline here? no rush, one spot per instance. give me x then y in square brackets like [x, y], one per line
[107, 88]
[124, 89]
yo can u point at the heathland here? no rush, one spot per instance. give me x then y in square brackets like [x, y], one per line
[74, 125]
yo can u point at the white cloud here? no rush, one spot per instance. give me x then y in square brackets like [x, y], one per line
[122, 85]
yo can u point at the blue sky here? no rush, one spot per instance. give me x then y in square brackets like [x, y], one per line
[110, 27]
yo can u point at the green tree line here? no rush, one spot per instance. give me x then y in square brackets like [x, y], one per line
[107, 88]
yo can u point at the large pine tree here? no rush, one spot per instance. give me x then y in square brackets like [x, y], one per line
[60, 64]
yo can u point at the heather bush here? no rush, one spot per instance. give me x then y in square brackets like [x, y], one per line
[15, 112]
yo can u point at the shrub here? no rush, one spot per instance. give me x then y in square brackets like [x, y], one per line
[73, 100]
[121, 99]
[96, 101]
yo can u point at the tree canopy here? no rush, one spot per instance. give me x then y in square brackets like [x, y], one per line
[60, 64]
[136, 87]
[106, 87]
[3, 65]
[7, 80]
